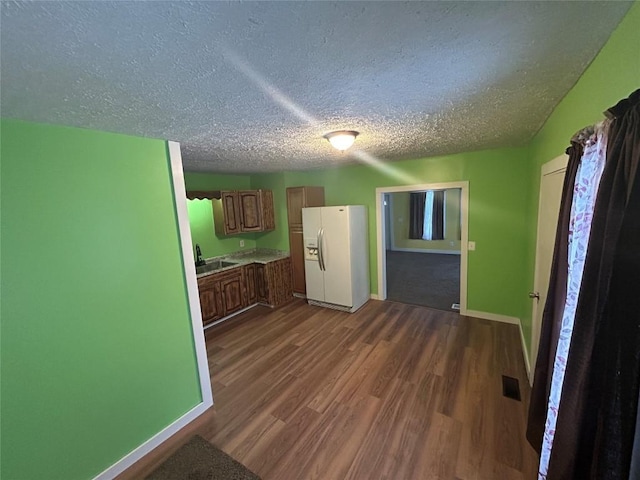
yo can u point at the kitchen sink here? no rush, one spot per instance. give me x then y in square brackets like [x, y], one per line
[213, 266]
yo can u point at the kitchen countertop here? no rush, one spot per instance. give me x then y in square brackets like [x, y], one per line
[245, 257]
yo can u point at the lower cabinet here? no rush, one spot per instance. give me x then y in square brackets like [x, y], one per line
[278, 282]
[273, 282]
[224, 293]
[262, 289]
[232, 291]
[221, 294]
[249, 275]
[210, 300]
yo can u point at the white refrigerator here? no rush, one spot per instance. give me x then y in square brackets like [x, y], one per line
[336, 256]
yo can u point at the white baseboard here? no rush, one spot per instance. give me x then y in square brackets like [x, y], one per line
[492, 316]
[374, 296]
[159, 438]
[513, 321]
[525, 353]
[426, 250]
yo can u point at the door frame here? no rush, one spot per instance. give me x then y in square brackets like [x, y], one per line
[464, 233]
[552, 166]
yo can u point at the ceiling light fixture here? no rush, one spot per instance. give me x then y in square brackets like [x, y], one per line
[341, 139]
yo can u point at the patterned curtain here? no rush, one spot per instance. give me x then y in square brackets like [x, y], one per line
[585, 191]
[592, 413]
[554, 306]
[599, 405]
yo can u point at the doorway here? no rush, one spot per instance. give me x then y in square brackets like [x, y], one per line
[416, 271]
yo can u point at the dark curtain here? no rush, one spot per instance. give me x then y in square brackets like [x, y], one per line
[554, 306]
[416, 214]
[437, 218]
[596, 423]
[635, 455]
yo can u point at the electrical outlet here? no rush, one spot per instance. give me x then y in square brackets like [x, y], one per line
[472, 246]
[241, 243]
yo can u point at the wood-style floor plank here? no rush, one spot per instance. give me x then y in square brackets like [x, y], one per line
[390, 392]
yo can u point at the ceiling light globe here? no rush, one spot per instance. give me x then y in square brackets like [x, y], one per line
[342, 139]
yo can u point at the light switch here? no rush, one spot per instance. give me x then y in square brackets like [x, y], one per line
[241, 243]
[472, 246]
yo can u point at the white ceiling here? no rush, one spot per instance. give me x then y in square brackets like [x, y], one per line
[253, 86]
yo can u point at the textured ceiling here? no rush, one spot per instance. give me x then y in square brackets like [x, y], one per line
[253, 86]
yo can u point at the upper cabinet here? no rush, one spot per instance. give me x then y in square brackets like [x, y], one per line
[300, 197]
[243, 211]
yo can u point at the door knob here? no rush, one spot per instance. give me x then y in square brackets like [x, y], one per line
[535, 295]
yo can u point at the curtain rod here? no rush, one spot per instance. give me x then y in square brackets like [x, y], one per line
[582, 136]
[585, 135]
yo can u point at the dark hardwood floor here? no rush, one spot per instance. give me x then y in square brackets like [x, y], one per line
[391, 392]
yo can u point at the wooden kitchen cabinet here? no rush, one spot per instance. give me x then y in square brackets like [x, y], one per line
[230, 213]
[268, 215]
[297, 199]
[232, 291]
[243, 211]
[227, 292]
[249, 275]
[210, 300]
[221, 294]
[278, 282]
[262, 289]
[273, 282]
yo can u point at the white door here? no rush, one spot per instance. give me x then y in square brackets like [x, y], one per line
[551, 181]
[336, 256]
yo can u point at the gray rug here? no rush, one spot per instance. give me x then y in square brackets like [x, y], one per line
[199, 460]
[427, 279]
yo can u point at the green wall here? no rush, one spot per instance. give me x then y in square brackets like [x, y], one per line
[498, 199]
[612, 75]
[97, 345]
[201, 214]
[498, 196]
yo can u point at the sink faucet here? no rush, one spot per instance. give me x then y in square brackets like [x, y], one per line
[199, 260]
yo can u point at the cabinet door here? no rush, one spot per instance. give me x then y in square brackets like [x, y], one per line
[249, 272]
[210, 304]
[262, 289]
[295, 202]
[232, 292]
[296, 247]
[268, 216]
[279, 282]
[231, 212]
[300, 197]
[251, 210]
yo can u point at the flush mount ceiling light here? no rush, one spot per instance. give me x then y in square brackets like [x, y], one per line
[341, 139]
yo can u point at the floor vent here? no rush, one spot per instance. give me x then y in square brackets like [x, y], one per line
[510, 387]
[455, 306]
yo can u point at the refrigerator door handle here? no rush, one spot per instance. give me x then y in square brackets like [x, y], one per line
[319, 247]
[321, 250]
